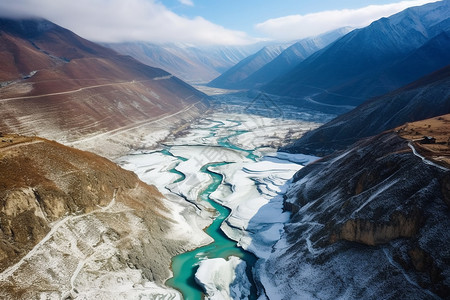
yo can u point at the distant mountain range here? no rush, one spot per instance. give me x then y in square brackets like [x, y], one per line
[371, 61]
[270, 62]
[422, 99]
[60, 86]
[234, 76]
[189, 63]
[369, 221]
[381, 193]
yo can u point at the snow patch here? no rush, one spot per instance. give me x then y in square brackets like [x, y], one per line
[218, 277]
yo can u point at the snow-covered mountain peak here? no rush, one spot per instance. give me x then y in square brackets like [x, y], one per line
[427, 15]
[272, 50]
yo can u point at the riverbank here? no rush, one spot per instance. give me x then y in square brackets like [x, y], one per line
[227, 157]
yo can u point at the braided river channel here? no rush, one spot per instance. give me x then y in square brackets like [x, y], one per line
[226, 167]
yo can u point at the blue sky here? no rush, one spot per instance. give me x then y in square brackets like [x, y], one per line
[205, 22]
[244, 14]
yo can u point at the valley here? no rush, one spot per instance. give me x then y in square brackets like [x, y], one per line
[80, 93]
[75, 224]
[174, 158]
[227, 166]
[221, 173]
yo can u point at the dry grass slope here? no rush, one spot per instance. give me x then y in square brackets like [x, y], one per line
[431, 138]
[47, 189]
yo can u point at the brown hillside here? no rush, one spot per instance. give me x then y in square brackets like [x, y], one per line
[73, 223]
[42, 181]
[430, 137]
[57, 85]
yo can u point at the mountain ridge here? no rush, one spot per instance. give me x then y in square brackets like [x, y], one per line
[192, 64]
[382, 202]
[233, 76]
[424, 98]
[347, 71]
[78, 89]
[75, 224]
[292, 56]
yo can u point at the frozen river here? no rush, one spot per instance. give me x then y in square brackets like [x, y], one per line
[226, 166]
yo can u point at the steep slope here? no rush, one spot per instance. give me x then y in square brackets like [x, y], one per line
[370, 222]
[418, 61]
[74, 224]
[368, 62]
[422, 99]
[246, 67]
[191, 64]
[60, 86]
[291, 57]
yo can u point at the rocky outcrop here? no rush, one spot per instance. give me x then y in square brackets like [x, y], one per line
[74, 224]
[446, 189]
[369, 222]
[371, 233]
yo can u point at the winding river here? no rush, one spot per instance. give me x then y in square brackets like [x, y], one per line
[237, 138]
[185, 265]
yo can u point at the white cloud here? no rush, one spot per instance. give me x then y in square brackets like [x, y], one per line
[119, 20]
[301, 26]
[187, 2]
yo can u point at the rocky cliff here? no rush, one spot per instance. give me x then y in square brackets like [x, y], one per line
[369, 222]
[73, 224]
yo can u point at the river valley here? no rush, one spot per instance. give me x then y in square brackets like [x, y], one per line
[226, 165]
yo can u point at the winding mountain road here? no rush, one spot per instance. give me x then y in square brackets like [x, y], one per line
[19, 144]
[10, 271]
[424, 160]
[86, 88]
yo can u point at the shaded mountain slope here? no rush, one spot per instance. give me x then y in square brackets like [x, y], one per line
[425, 98]
[370, 222]
[291, 57]
[58, 85]
[368, 62]
[233, 77]
[75, 224]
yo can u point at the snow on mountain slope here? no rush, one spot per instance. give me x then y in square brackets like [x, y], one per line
[354, 68]
[246, 67]
[191, 64]
[76, 225]
[425, 98]
[291, 57]
[370, 222]
[57, 85]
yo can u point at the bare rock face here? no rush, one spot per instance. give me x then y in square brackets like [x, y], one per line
[75, 224]
[372, 233]
[369, 222]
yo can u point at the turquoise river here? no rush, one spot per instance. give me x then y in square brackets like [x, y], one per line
[185, 265]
